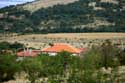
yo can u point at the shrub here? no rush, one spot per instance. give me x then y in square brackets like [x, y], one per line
[33, 67]
[8, 67]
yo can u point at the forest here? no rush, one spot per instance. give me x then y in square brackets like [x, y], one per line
[74, 17]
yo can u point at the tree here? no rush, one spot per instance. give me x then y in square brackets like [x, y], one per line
[33, 67]
[121, 57]
[8, 67]
[16, 45]
[92, 59]
[109, 52]
[4, 46]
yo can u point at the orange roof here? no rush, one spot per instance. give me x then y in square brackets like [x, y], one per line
[62, 47]
[27, 53]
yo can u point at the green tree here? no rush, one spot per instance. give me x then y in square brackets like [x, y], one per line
[9, 66]
[32, 66]
[121, 57]
[109, 52]
[92, 59]
[4, 45]
[16, 45]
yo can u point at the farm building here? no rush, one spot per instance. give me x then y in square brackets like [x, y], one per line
[58, 47]
[28, 53]
[52, 50]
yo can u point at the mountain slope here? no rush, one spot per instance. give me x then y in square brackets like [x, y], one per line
[79, 16]
[45, 3]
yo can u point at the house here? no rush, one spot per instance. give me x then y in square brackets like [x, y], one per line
[52, 50]
[58, 47]
[28, 53]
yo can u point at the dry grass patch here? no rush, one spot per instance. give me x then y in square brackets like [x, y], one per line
[40, 41]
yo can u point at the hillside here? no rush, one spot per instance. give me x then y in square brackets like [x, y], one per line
[36, 5]
[54, 16]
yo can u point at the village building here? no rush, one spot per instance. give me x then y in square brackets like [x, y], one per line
[59, 47]
[52, 50]
[28, 53]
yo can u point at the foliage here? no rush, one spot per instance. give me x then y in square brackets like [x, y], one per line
[92, 60]
[8, 67]
[64, 67]
[32, 66]
[109, 52]
[105, 55]
[4, 45]
[121, 57]
[10, 46]
[63, 18]
[16, 45]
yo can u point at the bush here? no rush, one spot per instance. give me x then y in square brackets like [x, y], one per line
[10, 46]
[4, 45]
[8, 67]
[109, 52]
[33, 67]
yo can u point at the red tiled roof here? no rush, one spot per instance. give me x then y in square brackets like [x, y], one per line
[83, 49]
[62, 47]
[27, 53]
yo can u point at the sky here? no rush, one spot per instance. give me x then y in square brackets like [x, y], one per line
[4, 3]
